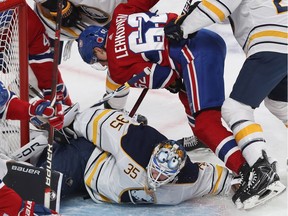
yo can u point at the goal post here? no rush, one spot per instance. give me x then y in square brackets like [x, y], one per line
[14, 68]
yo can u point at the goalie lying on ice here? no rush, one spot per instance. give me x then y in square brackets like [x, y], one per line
[149, 168]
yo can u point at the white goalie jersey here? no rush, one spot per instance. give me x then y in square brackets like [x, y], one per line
[116, 170]
[259, 25]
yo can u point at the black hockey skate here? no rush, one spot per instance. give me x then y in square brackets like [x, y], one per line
[263, 184]
[192, 143]
[244, 177]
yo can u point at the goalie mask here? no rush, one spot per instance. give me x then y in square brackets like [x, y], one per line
[166, 161]
[91, 37]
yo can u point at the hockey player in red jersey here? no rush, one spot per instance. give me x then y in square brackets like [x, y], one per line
[263, 77]
[194, 68]
[11, 107]
[41, 60]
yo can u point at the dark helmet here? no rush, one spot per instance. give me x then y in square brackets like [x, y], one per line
[91, 37]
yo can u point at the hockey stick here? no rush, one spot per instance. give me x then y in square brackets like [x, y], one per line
[126, 85]
[186, 7]
[36, 92]
[138, 102]
[81, 25]
[47, 192]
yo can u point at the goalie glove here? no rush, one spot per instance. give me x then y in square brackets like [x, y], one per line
[43, 109]
[62, 94]
[173, 29]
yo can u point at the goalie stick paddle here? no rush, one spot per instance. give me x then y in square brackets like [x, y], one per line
[48, 191]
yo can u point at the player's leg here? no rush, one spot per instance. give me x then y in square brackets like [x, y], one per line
[70, 159]
[277, 102]
[259, 75]
[204, 83]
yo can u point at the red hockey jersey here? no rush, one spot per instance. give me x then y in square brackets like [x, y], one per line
[40, 53]
[136, 41]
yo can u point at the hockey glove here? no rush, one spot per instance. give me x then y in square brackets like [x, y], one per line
[173, 29]
[42, 108]
[62, 95]
[176, 86]
[70, 15]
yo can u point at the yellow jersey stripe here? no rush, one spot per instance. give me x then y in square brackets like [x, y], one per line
[271, 33]
[105, 199]
[111, 85]
[95, 125]
[214, 9]
[219, 171]
[250, 129]
[97, 163]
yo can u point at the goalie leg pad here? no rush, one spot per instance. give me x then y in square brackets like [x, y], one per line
[32, 149]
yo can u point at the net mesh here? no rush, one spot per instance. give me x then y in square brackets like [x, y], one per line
[9, 74]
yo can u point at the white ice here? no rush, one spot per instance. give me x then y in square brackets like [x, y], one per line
[165, 112]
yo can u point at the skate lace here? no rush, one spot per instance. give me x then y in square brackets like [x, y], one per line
[190, 141]
[251, 180]
[241, 179]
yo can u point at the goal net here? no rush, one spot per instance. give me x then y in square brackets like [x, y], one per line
[13, 69]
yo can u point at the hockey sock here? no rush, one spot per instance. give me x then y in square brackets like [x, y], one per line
[209, 129]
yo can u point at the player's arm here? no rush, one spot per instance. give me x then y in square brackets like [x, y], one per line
[11, 107]
[219, 179]
[120, 100]
[160, 77]
[70, 14]
[103, 127]
[41, 59]
[201, 14]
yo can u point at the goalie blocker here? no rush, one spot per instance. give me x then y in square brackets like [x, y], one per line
[29, 182]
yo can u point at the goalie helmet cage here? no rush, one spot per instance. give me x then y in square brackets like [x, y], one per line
[14, 68]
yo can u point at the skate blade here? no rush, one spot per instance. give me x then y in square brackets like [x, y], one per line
[201, 150]
[239, 204]
[272, 190]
